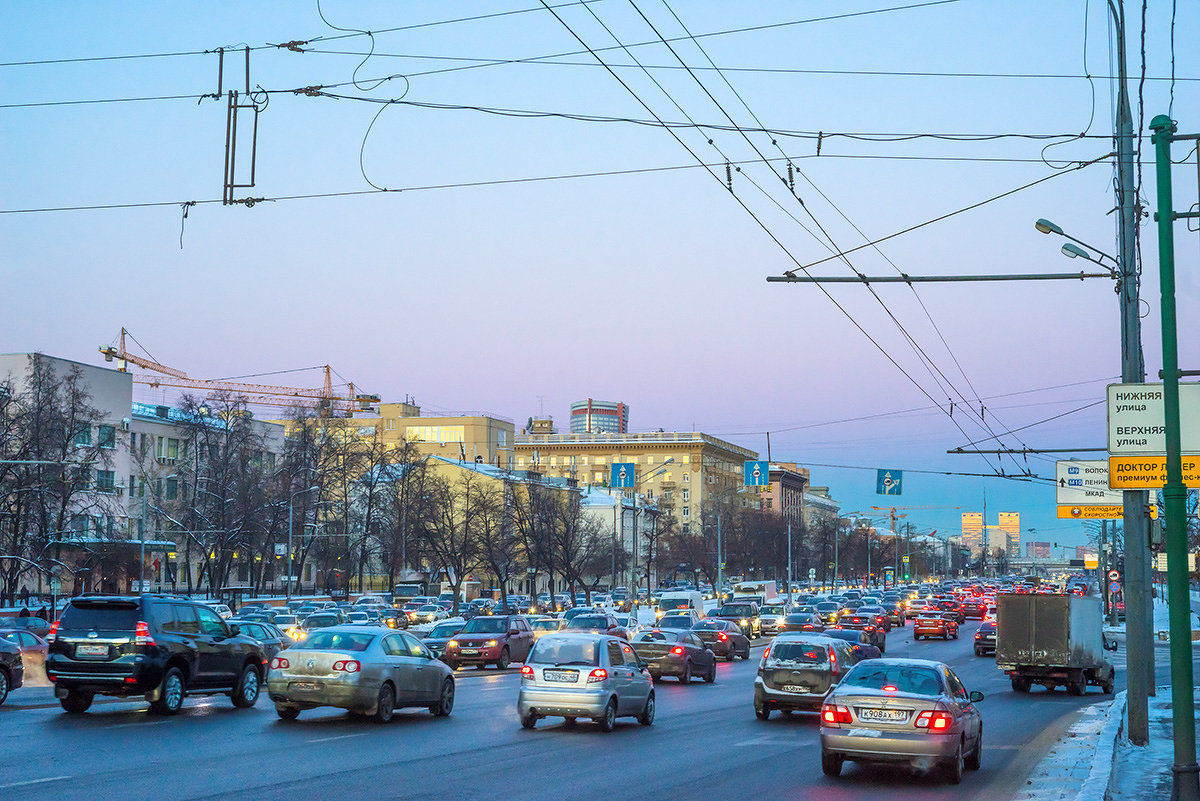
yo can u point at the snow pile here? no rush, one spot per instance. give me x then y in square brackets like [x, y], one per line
[1143, 773]
[1083, 753]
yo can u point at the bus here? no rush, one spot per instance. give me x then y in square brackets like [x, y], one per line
[407, 590]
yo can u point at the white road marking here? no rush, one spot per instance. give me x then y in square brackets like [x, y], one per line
[33, 781]
[338, 737]
[136, 723]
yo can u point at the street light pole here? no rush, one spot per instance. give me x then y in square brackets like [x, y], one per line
[291, 503]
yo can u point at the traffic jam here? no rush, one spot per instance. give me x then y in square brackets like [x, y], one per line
[598, 659]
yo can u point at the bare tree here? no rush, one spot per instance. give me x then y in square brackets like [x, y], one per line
[499, 543]
[447, 527]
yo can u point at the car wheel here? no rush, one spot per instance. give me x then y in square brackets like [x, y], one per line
[445, 704]
[385, 704]
[974, 761]
[954, 768]
[647, 716]
[245, 694]
[762, 711]
[608, 721]
[978, 652]
[170, 694]
[528, 720]
[831, 764]
[746, 651]
[3, 686]
[77, 702]
[287, 712]
[686, 676]
[711, 675]
[916, 637]
[732, 655]
[502, 662]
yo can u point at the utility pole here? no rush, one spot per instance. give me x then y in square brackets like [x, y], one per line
[983, 534]
[896, 546]
[1138, 610]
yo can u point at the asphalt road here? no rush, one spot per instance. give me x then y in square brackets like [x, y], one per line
[705, 743]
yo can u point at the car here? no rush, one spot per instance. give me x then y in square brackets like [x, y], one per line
[743, 613]
[828, 610]
[936, 624]
[585, 675]
[358, 619]
[12, 668]
[367, 671]
[38, 625]
[160, 647]
[675, 652]
[33, 648]
[290, 626]
[223, 610]
[576, 611]
[723, 638]
[678, 620]
[487, 639]
[907, 711]
[985, 638]
[950, 605]
[895, 611]
[436, 638]
[267, 635]
[428, 613]
[877, 612]
[868, 624]
[797, 671]
[861, 646]
[630, 624]
[323, 620]
[546, 625]
[802, 622]
[600, 623]
[771, 616]
[974, 607]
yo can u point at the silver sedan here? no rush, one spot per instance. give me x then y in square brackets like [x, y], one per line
[907, 711]
[369, 671]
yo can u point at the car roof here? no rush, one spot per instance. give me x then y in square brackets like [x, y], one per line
[896, 661]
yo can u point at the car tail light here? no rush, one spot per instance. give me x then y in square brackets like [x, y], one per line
[888, 688]
[53, 635]
[599, 674]
[831, 713]
[722, 636]
[934, 721]
[677, 650]
[142, 634]
[280, 663]
[526, 672]
[766, 653]
[346, 666]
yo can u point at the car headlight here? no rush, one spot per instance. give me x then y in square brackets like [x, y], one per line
[744, 622]
[490, 643]
[452, 644]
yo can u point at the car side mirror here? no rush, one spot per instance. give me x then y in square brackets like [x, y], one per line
[513, 632]
[1110, 645]
[976, 696]
[234, 630]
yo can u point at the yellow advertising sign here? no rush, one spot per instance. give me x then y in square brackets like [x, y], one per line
[1097, 512]
[1149, 472]
[1091, 562]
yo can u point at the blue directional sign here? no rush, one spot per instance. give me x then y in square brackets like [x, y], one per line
[888, 482]
[622, 475]
[758, 474]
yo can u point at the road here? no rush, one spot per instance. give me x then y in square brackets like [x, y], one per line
[705, 742]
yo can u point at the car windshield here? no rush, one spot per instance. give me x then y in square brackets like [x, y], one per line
[430, 608]
[103, 617]
[736, 609]
[800, 652]
[444, 630]
[674, 603]
[334, 641]
[550, 624]
[904, 678]
[773, 609]
[486, 625]
[841, 634]
[656, 636]
[558, 651]
[588, 622]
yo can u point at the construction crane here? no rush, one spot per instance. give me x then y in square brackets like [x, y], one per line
[256, 394]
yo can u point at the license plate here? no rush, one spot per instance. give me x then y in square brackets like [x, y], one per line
[85, 649]
[306, 686]
[560, 675]
[884, 715]
[470, 651]
[795, 688]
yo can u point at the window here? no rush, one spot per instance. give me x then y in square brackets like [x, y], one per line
[172, 489]
[413, 646]
[435, 434]
[269, 462]
[107, 437]
[686, 512]
[686, 477]
[83, 437]
[687, 495]
[502, 438]
[167, 449]
[106, 481]
[687, 527]
[185, 617]
[389, 424]
[393, 646]
[615, 657]
[210, 622]
[83, 477]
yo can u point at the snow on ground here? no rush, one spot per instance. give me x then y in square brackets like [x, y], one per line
[1061, 773]
[1145, 773]
[1160, 620]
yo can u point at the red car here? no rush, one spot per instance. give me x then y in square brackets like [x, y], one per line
[943, 624]
[974, 607]
[490, 640]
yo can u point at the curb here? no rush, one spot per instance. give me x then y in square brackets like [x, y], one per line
[1096, 786]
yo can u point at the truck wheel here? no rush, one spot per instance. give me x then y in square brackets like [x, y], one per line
[1020, 685]
[1107, 687]
[1076, 687]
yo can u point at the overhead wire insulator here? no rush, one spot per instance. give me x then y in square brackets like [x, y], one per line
[728, 177]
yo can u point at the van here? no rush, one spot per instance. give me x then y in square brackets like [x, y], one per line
[675, 601]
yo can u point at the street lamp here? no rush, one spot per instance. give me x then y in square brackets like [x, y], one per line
[291, 503]
[636, 509]
[1074, 251]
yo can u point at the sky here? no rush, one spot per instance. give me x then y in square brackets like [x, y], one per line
[485, 280]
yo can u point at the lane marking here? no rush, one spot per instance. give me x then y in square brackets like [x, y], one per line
[337, 737]
[33, 781]
[136, 723]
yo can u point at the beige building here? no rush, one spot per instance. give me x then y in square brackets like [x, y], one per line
[478, 438]
[683, 470]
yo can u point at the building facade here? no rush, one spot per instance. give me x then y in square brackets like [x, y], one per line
[599, 417]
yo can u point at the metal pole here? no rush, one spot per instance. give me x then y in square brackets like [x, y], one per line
[1185, 775]
[719, 563]
[789, 578]
[142, 564]
[288, 578]
[837, 534]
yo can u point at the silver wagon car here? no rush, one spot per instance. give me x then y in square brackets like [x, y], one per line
[584, 676]
[371, 671]
[909, 711]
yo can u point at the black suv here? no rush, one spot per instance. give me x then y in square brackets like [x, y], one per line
[157, 646]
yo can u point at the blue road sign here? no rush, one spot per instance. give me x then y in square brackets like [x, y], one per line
[758, 474]
[622, 475]
[888, 482]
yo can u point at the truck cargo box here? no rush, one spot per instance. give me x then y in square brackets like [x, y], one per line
[1062, 631]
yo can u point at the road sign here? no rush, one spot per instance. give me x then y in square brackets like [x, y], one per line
[757, 474]
[621, 475]
[1136, 419]
[888, 482]
[1113, 575]
[904, 559]
[812, 573]
[831, 565]
[1110, 512]
[1114, 588]
[1084, 483]
[55, 586]
[1091, 561]
[1160, 562]
[281, 549]
[1149, 472]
